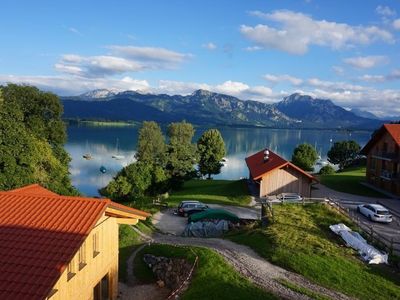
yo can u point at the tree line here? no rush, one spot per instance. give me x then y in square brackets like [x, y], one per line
[32, 138]
[342, 153]
[161, 166]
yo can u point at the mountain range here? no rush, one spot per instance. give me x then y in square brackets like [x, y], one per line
[208, 108]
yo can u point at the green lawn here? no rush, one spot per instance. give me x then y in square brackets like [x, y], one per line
[300, 240]
[128, 240]
[348, 181]
[213, 278]
[231, 192]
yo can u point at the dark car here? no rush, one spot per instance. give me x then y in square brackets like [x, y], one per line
[189, 207]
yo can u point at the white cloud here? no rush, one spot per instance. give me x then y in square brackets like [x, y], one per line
[393, 75]
[297, 32]
[396, 24]
[338, 70]
[122, 59]
[209, 46]
[283, 78]
[366, 62]
[385, 11]
[74, 30]
[74, 85]
[253, 48]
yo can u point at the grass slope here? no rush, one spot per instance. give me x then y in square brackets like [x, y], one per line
[230, 192]
[213, 278]
[348, 181]
[300, 240]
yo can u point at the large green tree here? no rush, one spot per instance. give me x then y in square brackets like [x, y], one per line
[32, 136]
[211, 149]
[181, 151]
[151, 147]
[343, 153]
[305, 156]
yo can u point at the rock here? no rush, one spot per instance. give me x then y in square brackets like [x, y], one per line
[160, 283]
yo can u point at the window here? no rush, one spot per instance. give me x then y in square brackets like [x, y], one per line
[71, 269]
[96, 245]
[102, 290]
[82, 256]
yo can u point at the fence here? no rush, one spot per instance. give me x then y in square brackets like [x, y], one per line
[388, 244]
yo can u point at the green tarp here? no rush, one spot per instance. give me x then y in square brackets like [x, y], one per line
[214, 214]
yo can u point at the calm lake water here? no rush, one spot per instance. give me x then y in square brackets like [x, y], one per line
[102, 142]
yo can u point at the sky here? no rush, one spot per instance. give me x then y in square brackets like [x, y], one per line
[346, 51]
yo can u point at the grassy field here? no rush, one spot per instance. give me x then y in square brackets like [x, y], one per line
[213, 278]
[300, 240]
[348, 181]
[231, 192]
[128, 240]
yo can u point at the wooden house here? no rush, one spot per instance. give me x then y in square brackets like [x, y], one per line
[383, 158]
[59, 247]
[275, 175]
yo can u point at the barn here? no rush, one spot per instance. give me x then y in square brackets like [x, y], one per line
[273, 175]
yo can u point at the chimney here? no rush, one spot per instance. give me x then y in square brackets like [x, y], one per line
[266, 155]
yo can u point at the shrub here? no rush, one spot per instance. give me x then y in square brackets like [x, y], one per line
[327, 170]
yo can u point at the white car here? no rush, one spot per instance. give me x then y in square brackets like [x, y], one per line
[375, 212]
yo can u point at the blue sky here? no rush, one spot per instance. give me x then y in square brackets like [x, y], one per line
[347, 51]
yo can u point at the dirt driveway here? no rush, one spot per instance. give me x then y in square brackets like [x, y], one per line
[167, 222]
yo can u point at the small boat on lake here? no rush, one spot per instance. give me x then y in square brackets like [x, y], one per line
[103, 169]
[117, 156]
[87, 156]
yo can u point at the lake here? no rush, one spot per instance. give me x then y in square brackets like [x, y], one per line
[102, 142]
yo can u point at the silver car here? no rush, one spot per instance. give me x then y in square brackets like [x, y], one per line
[375, 212]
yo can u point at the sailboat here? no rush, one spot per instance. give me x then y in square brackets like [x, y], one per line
[116, 156]
[87, 155]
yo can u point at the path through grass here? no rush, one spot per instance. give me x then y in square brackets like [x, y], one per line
[300, 240]
[213, 278]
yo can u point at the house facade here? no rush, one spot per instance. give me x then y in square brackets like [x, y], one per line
[383, 159]
[58, 247]
[274, 175]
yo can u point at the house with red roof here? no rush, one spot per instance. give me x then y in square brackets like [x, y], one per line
[59, 247]
[274, 175]
[383, 158]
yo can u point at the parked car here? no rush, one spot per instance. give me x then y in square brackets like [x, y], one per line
[375, 212]
[289, 197]
[190, 207]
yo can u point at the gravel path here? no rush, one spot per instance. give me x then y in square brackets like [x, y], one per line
[251, 265]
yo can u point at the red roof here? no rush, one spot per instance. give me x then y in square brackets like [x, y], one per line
[33, 190]
[392, 129]
[258, 167]
[39, 234]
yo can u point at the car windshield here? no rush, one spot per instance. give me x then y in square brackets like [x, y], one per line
[382, 212]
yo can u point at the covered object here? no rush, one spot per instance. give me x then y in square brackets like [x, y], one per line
[214, 214]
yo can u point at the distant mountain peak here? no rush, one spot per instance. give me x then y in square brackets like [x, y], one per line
[99, 93]
[202, 93]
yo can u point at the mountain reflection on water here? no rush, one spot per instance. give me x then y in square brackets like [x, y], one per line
[102, 142]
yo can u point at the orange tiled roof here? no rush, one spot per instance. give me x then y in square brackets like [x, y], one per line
[33, 189]
[392, 129]
[39, 234]
[258, 167]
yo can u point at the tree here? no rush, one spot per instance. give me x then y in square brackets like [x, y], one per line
[181, 151]
[32, 137]
[211, 149]
[151, 145]
[343, 153]
[304, 156]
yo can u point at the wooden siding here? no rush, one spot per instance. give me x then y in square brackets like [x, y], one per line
[81, 285]
[285, 180]
[383, 160]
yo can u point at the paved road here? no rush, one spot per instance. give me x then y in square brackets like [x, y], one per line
[389, 231]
